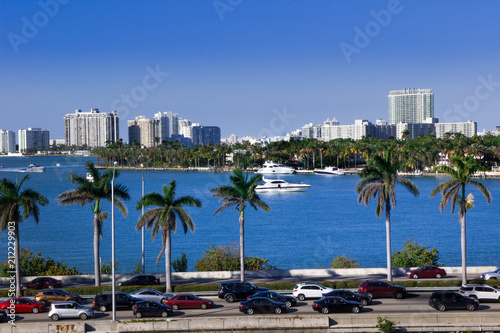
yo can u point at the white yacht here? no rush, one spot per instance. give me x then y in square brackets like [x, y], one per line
[32, 167]
[330, 171]
[279, 185]
[275, 168]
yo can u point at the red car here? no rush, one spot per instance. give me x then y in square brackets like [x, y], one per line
[188, 301]
[22, 304]
[427, 272]
[42, 283]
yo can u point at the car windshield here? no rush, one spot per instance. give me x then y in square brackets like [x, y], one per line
[497, 270]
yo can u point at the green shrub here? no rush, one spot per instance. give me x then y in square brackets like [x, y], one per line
[414, 255]
[180, 264]
[227, 258]
[107, 269]
[344, 262]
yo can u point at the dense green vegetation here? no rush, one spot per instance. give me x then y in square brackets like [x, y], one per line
[344, 262]
[414, 255]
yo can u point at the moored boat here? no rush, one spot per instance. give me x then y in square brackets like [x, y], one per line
[330, 171]
[280, 185]
[275, 168]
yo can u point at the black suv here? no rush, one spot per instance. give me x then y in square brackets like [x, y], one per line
[350, 296]
[143, 280]
[103, 301]
[232, 291]
[449, 300]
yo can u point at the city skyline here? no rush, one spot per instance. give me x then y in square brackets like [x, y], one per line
[252, 68]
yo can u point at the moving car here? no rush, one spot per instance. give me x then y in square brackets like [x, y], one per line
[378, 288]
[48, 296]
[144, 280]
[426, 272]
[42, 283]
[232, 291]
[350, 296]
[151, 309]
[184, 301]
[495, 275]
[104, 301]
[309, 290]
[151, 295]
[288, 300]
[449, 300]
[69, 309]
[481, 292]
[262, 305]
[22, 304]
[336, 304]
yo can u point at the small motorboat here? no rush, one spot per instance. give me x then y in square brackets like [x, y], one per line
[280, 185]
[275, 168]
[330, 171]
[32, 167]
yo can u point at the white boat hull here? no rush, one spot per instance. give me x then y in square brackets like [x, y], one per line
[282, 189]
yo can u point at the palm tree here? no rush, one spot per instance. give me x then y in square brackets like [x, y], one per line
[379, 179]
[164, 216]
[239, 194]
[461, 170]
[11, 200]
[94, 189]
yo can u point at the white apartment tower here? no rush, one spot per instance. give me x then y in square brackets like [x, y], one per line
[7, 141]
[33, 138]
[185, 128]
[93, 128]
[410, 105]
[143, 130]
[168, 124]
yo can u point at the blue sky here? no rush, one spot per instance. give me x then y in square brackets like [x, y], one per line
[252, 67]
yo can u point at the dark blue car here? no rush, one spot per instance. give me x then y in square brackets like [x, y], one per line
[151, 309]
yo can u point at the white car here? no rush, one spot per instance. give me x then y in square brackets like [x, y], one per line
[309, 290]
[480, 292]
[69, 309]
[151, 295]
[495, 275]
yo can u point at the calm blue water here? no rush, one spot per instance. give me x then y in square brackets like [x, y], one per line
[303, 230]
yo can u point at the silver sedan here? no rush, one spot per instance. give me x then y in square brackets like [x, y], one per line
[151, 295]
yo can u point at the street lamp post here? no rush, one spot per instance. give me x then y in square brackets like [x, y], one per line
[142, 229]
[113, 284]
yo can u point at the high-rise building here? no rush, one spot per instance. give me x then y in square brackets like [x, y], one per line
[143, 131]
[204, 135]
[468, 129]
[168, 124]
[410, 105]
[185, 128]
[94, 129]
[7, 141]
[33, 138]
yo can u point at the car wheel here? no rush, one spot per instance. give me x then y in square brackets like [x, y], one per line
[301, 297]
[288, 304]
[164, 314]
[364, 302]
[163, 300]
[471, 307]
[398, 295]
[370, 294]
[441, 307]
[250, 311]
[55, 317]
[415, 276]
[277, 310]
[355, 309]
[35, 310]
[51, 287]
[44, 302]
[203, 306]
[175, 307]
[102, 308]
[230, 298]
[138, 315]
[325, 310]
[438, 276]
[84, 316]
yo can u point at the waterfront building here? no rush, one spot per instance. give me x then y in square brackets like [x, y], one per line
[168, 124]
[33, 138]
[185, 128]
[468, 129]
[204, 135]
[94, 129]
[415, 130]
[7, 141]
[144, 131]
[311, 131]
[410, 105]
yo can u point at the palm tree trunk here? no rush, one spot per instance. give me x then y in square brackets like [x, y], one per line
[242, 246]
[461, 215]
[388, 239]
[17, 259]
[168, 263]
[97, 240]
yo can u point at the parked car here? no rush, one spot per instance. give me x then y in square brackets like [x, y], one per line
[151, 295]
[336, 304]
[231, 291]
[426, 272]
[3, 315]
[378, 288]
[350, 296]
[262, 305]
[151, 309]
[480, 292]
[288, 300]
[495, 275]
[42, 283]
[48, 296]
[103, 301]
[69, 309]
[143, 280]
[184, 301]
[309, 290]
[22, 304]
[449, 300]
